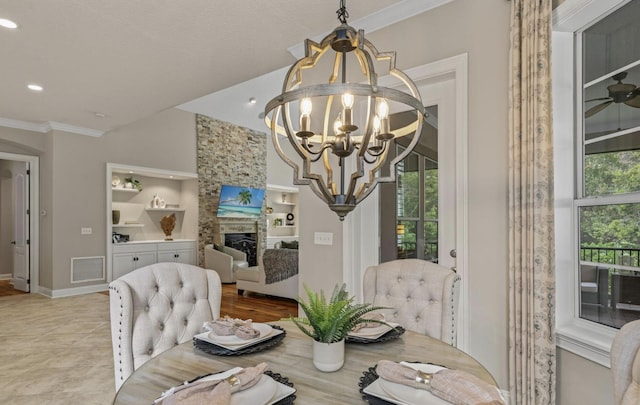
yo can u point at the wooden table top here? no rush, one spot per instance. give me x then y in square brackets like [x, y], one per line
[292, 359]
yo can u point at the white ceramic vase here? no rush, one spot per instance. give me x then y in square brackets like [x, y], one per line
[328, 357]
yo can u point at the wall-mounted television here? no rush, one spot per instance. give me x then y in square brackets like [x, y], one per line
[240, 202]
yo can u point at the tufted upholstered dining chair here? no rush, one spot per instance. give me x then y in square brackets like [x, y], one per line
[625, 364]
[157, 307]
[423, 296]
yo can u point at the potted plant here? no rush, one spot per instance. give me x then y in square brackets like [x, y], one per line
[135, 183]
[329, 323]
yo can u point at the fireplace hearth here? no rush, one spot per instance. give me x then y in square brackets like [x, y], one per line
[242, 236]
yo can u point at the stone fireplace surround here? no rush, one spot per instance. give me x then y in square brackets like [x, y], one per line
[242, 236]
[227, 154]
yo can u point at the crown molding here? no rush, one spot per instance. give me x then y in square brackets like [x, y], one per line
[383, 18]
[49, 126]
[61, 126]
[574, 15]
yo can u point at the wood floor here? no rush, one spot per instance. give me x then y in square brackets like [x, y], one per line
[258, 307]
[6, 289]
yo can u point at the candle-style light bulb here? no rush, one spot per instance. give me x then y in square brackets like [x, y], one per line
[376, 125]
[305, 118]
[347, 100]
[383, 109]
[337, 124]
[383, 113]
[347, 113]
[305, 106]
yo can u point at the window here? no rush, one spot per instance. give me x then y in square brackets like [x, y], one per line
[598, 178]
[608, 197]
[413, 231]
[417, 218]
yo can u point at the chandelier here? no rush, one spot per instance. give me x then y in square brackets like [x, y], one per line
[336, 116]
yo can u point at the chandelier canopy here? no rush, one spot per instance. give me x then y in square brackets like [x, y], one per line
[335, 114]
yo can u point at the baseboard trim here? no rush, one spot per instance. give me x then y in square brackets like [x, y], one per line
[69, 292]
[8, 276]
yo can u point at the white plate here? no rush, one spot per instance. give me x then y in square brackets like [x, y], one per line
[246, 343]
[267, 391]
[410, 395]
[375, 332]
[259, 394]
[263, 328]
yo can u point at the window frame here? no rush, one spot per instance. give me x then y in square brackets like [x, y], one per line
[582, 337]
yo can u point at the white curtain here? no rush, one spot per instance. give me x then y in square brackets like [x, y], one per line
[532, 351]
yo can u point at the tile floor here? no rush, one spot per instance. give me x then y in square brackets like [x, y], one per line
[55, 351]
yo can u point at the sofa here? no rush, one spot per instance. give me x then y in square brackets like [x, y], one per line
[279, 278]
[224, 260]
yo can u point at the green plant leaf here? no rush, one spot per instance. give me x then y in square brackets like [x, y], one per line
[331, 321]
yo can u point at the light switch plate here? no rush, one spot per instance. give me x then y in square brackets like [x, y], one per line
[86, 231]
[323, 238]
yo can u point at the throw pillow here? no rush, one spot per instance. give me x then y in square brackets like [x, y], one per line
[289, 245]
[219, 248]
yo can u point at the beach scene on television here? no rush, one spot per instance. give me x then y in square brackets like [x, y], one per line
[240, 202]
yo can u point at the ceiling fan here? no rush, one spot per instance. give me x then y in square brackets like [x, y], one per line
[618, 93]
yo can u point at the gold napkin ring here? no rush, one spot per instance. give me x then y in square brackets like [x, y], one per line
[423, 378]
[233, 380]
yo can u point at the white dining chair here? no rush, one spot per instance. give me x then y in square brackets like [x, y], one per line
[157, 307]
[421, 296]
[625, 364]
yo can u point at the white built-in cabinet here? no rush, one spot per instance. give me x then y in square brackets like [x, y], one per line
[179, 252]
[137, 239]
[282, 214]
[132, 255]
[128, 257]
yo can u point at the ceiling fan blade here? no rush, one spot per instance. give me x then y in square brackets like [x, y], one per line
[635, 101]
[598, 99]
[596, 109]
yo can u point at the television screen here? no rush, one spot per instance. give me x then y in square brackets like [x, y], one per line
[240, 202]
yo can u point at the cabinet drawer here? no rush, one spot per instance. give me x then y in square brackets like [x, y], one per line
[134, 247]
[171, 246]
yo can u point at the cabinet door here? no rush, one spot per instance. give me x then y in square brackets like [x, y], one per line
[186, 256]
[145, 259]
[123, 263]
[166, 256]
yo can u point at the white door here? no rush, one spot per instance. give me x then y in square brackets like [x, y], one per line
[442, 95]
[20, 240]
[443, 84]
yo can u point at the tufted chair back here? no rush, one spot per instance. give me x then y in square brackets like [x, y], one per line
[157, 307]
[423, 296]
[625, 364]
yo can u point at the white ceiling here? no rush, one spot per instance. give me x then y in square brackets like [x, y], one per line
[128, 59]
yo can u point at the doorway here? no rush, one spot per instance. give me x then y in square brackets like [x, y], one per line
[18, 227]
[443, 84]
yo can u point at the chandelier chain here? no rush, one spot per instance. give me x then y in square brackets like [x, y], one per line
[342, 12]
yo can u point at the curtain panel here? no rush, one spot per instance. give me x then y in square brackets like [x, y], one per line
[532, 350]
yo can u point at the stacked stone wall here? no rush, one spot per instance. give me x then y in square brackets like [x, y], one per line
[227, 154]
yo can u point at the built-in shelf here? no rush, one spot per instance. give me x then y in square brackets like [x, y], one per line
[128, 225]
[126, 190]
[165, 209]
[284, 203]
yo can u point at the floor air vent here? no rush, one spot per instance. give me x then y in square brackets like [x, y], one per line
[87, 269]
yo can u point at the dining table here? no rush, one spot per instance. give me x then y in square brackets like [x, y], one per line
[292, 359]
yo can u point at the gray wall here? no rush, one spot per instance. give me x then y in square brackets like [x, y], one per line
[73, 180]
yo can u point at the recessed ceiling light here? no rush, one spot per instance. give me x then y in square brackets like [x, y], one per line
[34, 87]
[252, 100]
[8, 23]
